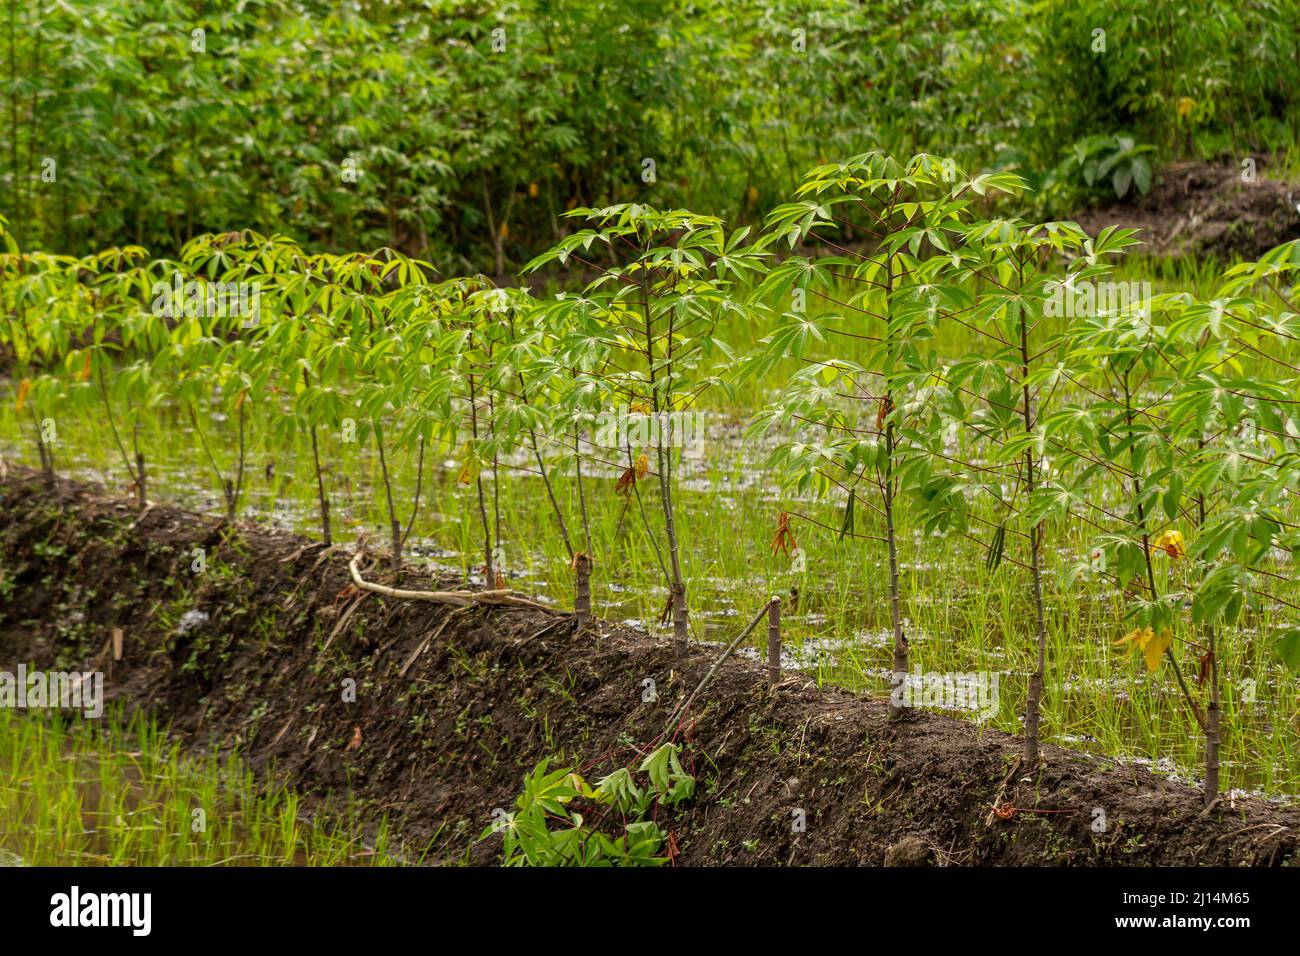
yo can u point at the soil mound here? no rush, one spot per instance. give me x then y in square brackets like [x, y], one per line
[454, 705]
[1207, 209]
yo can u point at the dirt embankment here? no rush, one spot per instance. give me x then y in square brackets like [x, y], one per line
[1207, 209]
[454, 706]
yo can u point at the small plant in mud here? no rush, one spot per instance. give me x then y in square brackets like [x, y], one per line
[561, 820]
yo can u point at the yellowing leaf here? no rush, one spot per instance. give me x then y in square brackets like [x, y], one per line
[85, 369]
[1185, 106]
[1137, 637]
[533, 190]
[642, 466]
[1152, 646]
[24, 387]
[1155, 647]
[468, 467]
[1171, 542]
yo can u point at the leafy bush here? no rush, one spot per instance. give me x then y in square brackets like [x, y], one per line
[1097, 166]
[550, 825]
[460, 131]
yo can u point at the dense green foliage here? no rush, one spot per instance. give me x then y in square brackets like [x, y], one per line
[460, 132]
[1086, 401]
[562, 820]
[729, 187]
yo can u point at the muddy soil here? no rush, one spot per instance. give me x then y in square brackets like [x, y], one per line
[1206, 209]
[453, 706]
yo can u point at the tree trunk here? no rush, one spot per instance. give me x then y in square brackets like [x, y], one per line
[394, 525]
[141, 481]
[1033, 704]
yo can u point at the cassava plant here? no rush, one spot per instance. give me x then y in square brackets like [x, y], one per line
[1200, 458]
[664, 282]
[1002, 394]
[1240, 444]
[1123, 361]
[38, 336]
[561, 820]
[533, 410]
[461, 338]
[312, 355]
[859, 417]
[121, 342]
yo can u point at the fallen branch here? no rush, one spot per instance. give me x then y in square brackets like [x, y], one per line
[749, 629]
[496, 598]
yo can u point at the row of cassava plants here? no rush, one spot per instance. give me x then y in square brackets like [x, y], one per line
[1180, 467]
[407, 361]
[1163, 441]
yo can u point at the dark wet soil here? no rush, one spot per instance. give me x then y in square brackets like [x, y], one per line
[453, 706]
[1207, 209]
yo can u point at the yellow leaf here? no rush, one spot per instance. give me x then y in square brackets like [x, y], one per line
[504, 231]
[1137, 637]
[85, 369]
[1155, 648]
[1144, 639]
[753, 195]
[1185, 106]
[1171, 543]
[642, 466]
[533, 190]
[24, 387]
[469, 466]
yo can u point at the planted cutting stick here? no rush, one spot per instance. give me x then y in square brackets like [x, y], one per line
[774, 640]
[582, 579]
[495, 598]
[749, 629]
